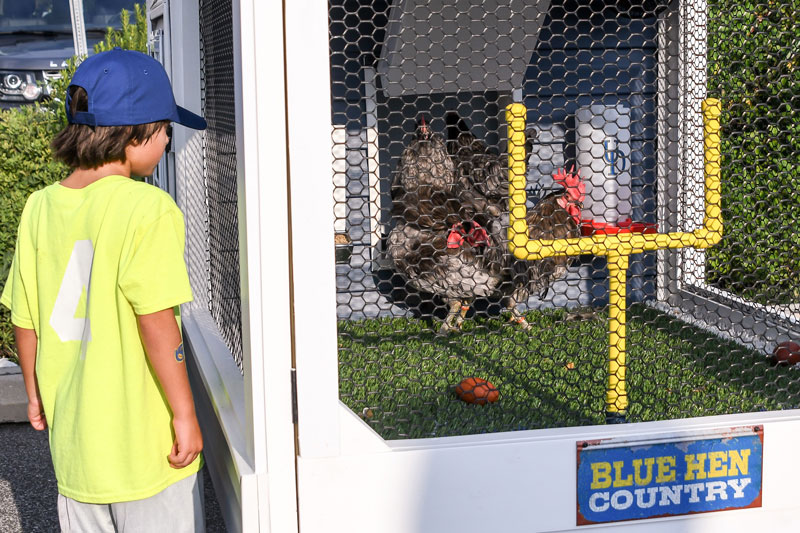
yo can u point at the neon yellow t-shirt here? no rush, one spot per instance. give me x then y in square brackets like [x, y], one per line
[87, 262]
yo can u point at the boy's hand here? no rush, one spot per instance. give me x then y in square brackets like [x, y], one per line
[36, 414]
[26, 347]
[188, 442]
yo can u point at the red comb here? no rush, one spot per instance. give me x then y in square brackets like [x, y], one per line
[572, 182]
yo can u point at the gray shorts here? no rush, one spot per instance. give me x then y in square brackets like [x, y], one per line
[176, 509]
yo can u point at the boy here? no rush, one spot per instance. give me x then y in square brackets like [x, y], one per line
[94, 289]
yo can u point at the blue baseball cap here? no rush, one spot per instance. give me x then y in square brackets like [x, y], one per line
[126, 88]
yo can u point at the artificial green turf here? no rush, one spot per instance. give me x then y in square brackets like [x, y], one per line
[400, 375]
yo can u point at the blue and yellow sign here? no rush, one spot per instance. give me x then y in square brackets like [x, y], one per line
[648, 480]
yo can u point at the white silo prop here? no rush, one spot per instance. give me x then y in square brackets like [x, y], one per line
[603, 152]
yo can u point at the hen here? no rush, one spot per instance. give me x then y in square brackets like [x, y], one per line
[556, 216]
[427, 202]
[450, 237]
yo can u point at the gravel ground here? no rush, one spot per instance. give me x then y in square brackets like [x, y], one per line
[28, 485]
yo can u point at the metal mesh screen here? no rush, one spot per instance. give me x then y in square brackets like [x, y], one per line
[442, 331]
[218, 98]
[753, 66]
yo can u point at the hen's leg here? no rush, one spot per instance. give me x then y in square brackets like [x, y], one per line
[520, 295]
[451, 320]
[462, 315]
[518, 318]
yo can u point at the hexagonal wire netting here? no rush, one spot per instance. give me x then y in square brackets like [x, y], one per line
[219, 161]
[428, 293]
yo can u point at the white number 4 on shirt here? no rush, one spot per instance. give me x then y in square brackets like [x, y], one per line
[76, 280]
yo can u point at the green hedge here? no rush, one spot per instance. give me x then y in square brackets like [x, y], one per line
[26, 162]
[754, 55]
[25, 166]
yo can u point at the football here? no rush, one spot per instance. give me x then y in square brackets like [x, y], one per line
[786, 353]
[477, 391]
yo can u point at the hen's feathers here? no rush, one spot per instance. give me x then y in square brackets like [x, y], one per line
[426, 190]
[548, 220]
[425, 163]
[477, 167]
[422, 255]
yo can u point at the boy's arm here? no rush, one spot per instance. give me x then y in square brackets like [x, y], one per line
[26, 348]
[162, 340]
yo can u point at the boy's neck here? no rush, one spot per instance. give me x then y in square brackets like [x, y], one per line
[83, 177]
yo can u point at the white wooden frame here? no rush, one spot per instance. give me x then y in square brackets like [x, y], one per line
[265, 250]
[313, 265]
[351, 479]
[693, 32]
[252, 469]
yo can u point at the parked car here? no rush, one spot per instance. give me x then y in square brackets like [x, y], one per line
[36, 42]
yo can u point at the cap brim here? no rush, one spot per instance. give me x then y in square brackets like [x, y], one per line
[190, 120]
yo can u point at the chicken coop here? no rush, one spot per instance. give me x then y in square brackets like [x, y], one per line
[482, 264]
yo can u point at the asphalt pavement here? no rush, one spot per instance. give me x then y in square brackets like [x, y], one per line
[28, 490]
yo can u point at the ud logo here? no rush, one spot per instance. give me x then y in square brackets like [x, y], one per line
[616, 158]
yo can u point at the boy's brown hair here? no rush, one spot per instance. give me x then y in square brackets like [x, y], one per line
[82, 146]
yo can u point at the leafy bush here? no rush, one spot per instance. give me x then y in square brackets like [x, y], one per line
[129, 36]
[26, 165]
[26, 162]
[753, 59]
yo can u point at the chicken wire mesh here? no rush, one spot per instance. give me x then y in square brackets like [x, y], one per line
[428, 293]
[219, 109]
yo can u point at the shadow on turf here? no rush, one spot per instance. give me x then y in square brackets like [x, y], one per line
[434, 411]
